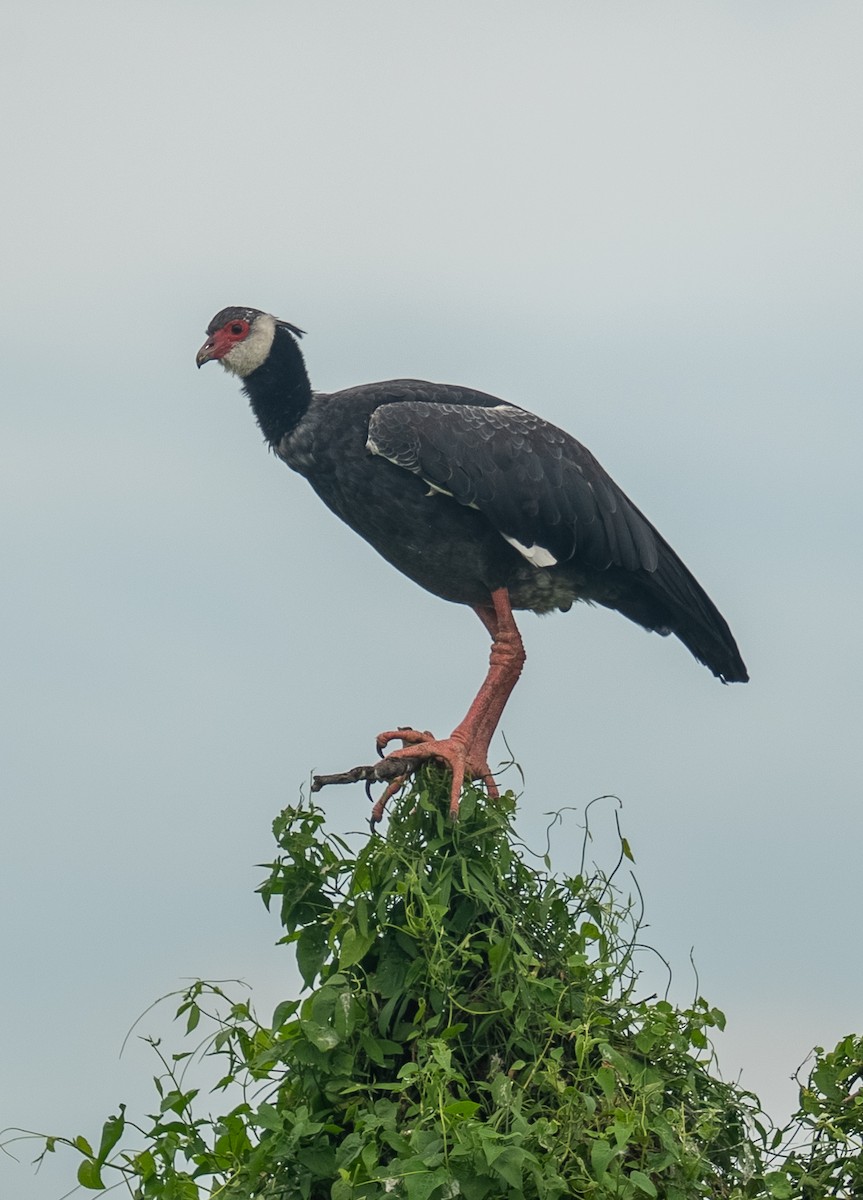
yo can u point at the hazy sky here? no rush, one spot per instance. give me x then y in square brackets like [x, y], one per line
[643, 222]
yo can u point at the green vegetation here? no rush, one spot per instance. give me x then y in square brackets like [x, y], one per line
[471, 1027]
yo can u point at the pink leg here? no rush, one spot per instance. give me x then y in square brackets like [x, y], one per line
[465, 751]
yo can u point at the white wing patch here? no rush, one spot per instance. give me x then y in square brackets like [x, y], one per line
[434, 490]
[537, 556]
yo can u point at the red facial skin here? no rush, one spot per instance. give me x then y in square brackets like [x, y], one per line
[221, 342]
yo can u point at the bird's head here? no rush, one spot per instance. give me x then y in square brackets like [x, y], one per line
[241, 339]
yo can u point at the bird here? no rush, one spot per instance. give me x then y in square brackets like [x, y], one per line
[480, 502]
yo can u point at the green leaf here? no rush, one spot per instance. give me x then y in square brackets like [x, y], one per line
[501, 1090]
[461, 1109]
[176, 1101]
[498, 954]
[342, 1188]
[311, 952]
[112, 1131]
[145, 1165]
[601, 1154]
[371, 1045]
[323, 1037]
[605, 1077]
[508, 1163]
[420, 1185]
[269, 1117]
[643, 1182]
[646, 1040]
[477, 1187]
[321, 1163]
[354, 947]
[345, 1014]
[89, 1175]
[349, 1149]
[283, 1013]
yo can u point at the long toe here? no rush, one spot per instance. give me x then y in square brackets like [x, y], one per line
[406, 734]
[453, 753]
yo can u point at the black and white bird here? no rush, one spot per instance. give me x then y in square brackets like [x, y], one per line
[476, 500]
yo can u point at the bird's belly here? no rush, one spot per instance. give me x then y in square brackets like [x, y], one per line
[446, 548]
[453, 554]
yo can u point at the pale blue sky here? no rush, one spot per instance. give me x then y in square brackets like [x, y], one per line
[643, 222]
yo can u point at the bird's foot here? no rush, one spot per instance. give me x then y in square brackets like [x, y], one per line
[418, 748]
[408, 736]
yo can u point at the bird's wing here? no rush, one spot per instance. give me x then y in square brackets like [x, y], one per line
[540, 488]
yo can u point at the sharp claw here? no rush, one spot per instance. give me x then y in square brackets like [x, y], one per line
[397, 766]
[378, 810]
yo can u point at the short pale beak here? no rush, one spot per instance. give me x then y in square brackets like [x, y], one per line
[207, 352]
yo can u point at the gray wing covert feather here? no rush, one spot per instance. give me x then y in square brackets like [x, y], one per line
[531, 480]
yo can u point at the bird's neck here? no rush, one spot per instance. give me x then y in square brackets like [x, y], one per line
[279, 390]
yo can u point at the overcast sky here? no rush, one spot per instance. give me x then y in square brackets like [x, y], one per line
[643, 222]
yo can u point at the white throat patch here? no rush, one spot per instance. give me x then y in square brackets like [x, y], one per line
[250, 353]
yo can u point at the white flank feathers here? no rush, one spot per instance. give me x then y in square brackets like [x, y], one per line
[537, 556]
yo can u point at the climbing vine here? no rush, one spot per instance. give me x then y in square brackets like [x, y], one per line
[471, 1026]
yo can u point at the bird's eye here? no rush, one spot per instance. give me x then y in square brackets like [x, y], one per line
[238, 327]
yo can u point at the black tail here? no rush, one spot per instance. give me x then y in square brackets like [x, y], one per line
[671, 600]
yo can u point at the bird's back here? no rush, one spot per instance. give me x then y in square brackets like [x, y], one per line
[465, 493]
